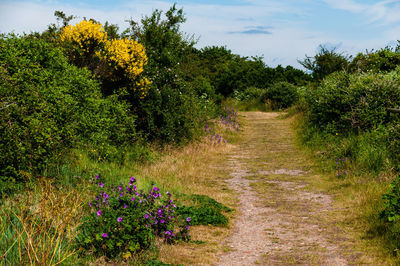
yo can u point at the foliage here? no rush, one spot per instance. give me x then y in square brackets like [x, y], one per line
[325, 62]
[172, 111]
[49, 106]
[344, 102]
[248, 94]
[119, 63]
[204, 210]
[126, 54]
[86, 35]
[124, 221]
[391, 203]
[281, 94]
[382, 60]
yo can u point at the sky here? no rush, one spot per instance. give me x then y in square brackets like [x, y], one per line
[281, 31]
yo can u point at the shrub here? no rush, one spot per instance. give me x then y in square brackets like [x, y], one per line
[119, 63]
[281, 94]
[124, 220]
[48, 106]
[354, 101]
[382, 60]
[249, 93]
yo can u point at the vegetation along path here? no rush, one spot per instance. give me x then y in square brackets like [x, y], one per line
[281, 219]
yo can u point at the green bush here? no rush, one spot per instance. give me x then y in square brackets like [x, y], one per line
[382, 60]
[282, 95]
[354, 102]
[172, 110]
[248, 94]
[49, 106]
[367, 151]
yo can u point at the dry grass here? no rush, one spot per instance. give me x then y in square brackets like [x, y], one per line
[194, 169]
[39, 227]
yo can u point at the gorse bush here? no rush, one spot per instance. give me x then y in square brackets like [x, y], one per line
[124, 220]
[119, 63]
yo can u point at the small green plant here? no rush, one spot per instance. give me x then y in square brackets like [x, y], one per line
[204, 210]
[391, 202]
[124, 220]
[340, 168]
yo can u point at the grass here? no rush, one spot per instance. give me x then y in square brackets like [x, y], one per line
[38, 225]
[358, 197]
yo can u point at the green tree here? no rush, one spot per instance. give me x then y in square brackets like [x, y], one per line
[325, 62]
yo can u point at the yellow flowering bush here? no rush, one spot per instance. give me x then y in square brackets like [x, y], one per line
[87, 35]
[116, 60]
[126, 54]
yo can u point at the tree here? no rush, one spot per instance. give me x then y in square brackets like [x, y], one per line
[325, 62]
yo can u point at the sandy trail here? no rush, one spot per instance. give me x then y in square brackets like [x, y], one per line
[281, 220]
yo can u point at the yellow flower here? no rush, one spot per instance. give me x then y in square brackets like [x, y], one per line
[87, 35]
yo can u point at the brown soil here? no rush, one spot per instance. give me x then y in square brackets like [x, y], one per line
[281, 218]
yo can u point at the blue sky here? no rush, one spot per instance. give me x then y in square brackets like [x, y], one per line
[282, 31]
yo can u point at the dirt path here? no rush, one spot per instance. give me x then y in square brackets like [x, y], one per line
[282, 220]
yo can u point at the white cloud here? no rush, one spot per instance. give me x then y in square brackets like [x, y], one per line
[382, 12]
[290, 40]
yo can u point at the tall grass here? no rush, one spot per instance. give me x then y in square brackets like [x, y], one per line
[39, 227]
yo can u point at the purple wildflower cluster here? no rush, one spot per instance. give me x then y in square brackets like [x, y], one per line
[340, 165]
[125, 204]
[215, 138]
[229, 118]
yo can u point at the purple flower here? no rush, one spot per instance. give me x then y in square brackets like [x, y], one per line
[188, 219]
[125, 206]
[101, 185]
[133, 199]
[146, 216]
[119, 188]
[119, 219]
[155, 188]
[121, 195]
[99, 212]
[97, 177]
[187, 227]
[104, 235]
[162, 221]
[90, 204]
[132, 179]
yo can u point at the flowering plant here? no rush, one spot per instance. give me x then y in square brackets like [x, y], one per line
[125, 220]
